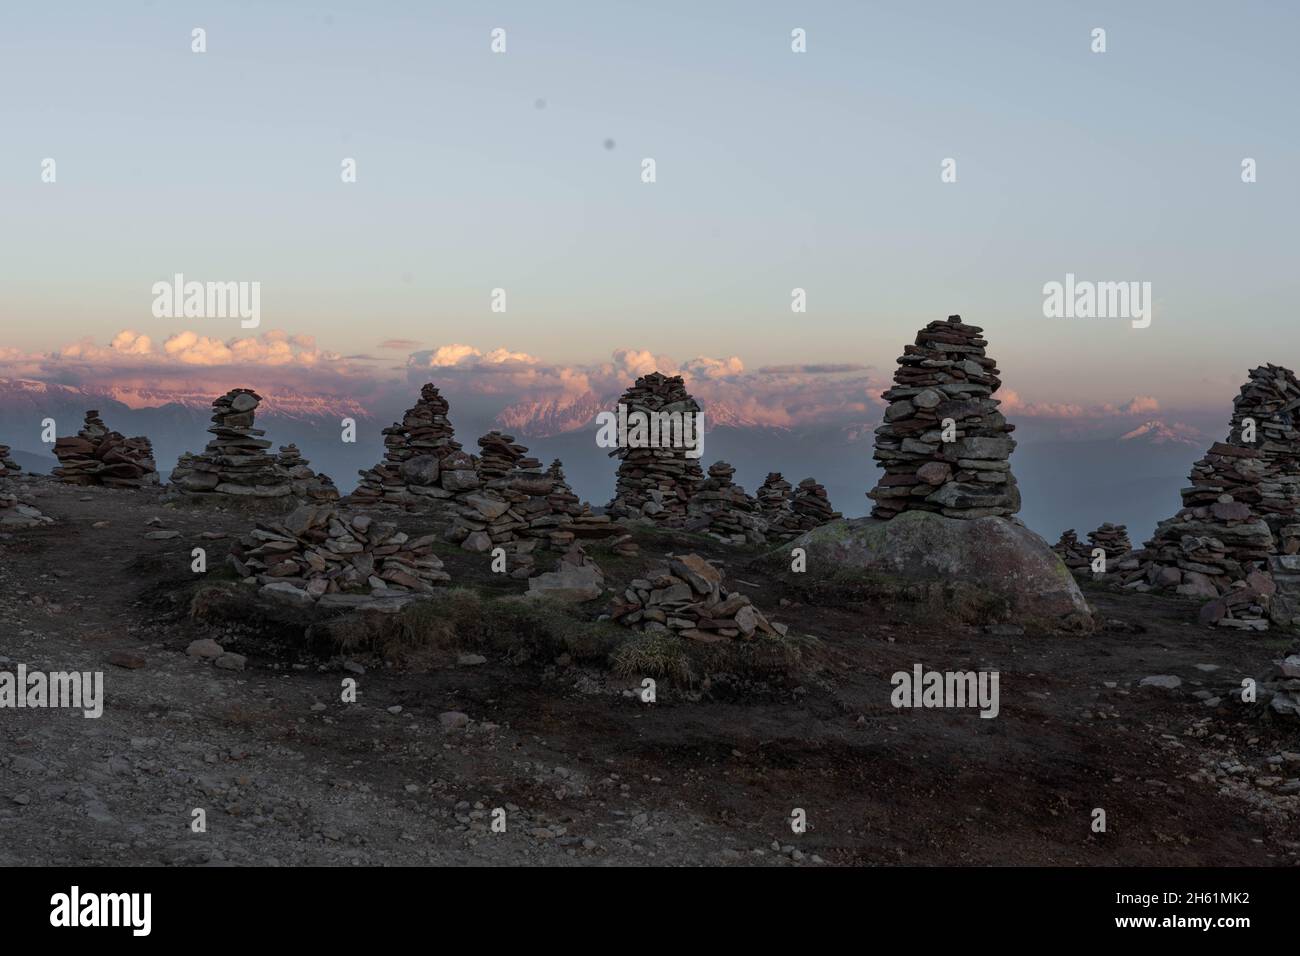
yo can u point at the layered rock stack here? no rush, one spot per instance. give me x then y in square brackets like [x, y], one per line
[422, 459]
[581, 521]
[656, 484]
[812, 506]
[316, 554]
[1114, 542]
[1072, 551]
[501, 455]
[687, 597]
[1270, 399]
[306, 483]
[1279, 688]
[98, 456]
[235, 462]
[720, 508]
[945, 376]
[776, 505]
[17, 514]
[7, 465]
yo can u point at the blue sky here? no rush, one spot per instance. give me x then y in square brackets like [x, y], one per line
[775, 170]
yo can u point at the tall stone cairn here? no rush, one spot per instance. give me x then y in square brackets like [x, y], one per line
[1235, 539]
[719, 507]
[98, 456]
[422, 459]
[656, 483]
[8, 466]
[235, 461]
[945, 375]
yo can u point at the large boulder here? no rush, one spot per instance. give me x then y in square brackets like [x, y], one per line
[975, 570]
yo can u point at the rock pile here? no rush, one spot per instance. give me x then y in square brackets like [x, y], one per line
[1111, 538]
[1280, 687]
[306, 483]
[7, 465]
[235, 462]
[422, 461]
[576, 578]
[316, 554]
[812, 506]
[1071, 551]
[1270, 401]
[98, 456]
[776, 505]
[721, 509]
[16, 514]
[945, 376]
[656, 483]
[687, 597]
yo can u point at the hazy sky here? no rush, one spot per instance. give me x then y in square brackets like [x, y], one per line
[775, 170]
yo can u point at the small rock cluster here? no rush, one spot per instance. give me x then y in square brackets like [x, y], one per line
[306, 483]
[656, 483]
[1280, 687]
[776, 505]
[17, 514]
[236, 463]
[945, 375]
[720, 508]
[316, 554]
[98, 456]
[687, 597]
[1111, 538]
[8, 466]
[422, 459]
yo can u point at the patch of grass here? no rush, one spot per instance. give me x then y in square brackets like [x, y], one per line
[661, 656]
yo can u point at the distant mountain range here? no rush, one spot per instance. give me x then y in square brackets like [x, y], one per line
[1131, 479]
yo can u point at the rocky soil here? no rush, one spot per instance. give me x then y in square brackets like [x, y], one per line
[586, 772]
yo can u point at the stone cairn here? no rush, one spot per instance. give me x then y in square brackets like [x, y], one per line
[1233, 542]
[8, 466]
[306, 483]
[945, 375]
[812, 506]
[721, 509]
[776, 505]
[519, 507]
[316, 555]
[235, 462]
[583, 523]
[97, 456]
[422, 461]
[1280, 686]
[1114, 541]
[1072, 551]
[687, 597]
[656, 483]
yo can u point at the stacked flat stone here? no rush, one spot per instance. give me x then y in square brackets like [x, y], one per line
[1270, 399]
[812, 506]
[945, 375]
[1072, 552]
[656, 483]
[18, 514]
[7, 465]
[501, 454]
[776, 505]
[422, 461]
[98, 456]
[576, 578]
[687, 597]
[316, 554]
[577, 517]
[235, 461]
[306, 483]
[1114, 542]
[720, 508]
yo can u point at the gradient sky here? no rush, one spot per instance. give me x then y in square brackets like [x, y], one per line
[775, 170]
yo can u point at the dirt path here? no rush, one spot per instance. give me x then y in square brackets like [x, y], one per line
[587, 774]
